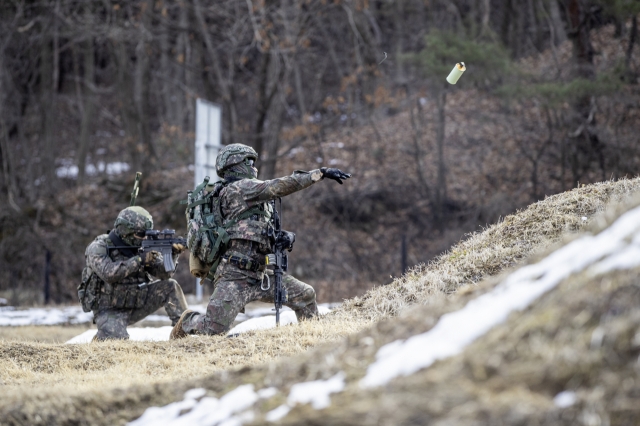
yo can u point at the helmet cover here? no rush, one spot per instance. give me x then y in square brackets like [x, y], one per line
[232, 155]
[130, 221]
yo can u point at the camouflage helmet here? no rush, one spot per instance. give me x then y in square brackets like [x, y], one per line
[134, 220]
[233, 154]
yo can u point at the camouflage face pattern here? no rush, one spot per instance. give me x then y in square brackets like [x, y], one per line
[112, 323]
[233, 290]
[243, 170]
[233, 154]
[131, 221]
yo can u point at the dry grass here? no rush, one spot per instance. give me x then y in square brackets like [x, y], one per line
[71, 381]
[486, 253]
[43, 334]
[512, 374]
[25, 366]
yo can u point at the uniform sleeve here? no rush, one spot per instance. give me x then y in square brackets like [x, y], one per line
[156, 268]
[109, 271]
[258, 191]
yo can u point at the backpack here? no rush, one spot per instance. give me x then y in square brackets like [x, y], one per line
[207, 236]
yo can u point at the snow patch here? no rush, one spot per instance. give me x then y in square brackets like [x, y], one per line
[10, 316]
[616, 247]
[316, 392]
[565, 399]
[69, 170]
[228, 410]
[277, 413]
[150, 334]
[269, 321]
[234, 408]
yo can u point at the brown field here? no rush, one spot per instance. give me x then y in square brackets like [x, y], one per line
[42, 334]
[53, 382]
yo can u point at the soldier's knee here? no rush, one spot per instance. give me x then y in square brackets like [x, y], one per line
[309, 295]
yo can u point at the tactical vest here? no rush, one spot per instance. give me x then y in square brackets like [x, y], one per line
[96, 294]
[209, 230]
[251, 224]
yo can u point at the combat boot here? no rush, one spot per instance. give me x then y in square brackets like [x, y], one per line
[178, 332]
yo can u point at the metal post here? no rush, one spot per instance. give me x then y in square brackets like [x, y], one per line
[207, 146]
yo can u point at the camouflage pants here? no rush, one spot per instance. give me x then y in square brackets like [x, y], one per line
[233, 290]
[112, 323]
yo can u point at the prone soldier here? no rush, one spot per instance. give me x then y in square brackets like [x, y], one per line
[246, 210]
[122, 286]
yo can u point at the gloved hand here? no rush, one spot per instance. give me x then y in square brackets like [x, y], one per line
[149, 258]
[334, 174]
[178, 248]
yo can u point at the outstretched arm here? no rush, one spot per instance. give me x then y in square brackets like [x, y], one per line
[260, 191]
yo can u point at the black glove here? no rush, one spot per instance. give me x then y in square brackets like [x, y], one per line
[334, 174]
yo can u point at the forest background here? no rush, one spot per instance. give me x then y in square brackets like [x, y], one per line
[92, 91]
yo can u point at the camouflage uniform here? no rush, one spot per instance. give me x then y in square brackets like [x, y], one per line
[118, 285]
[235, 286]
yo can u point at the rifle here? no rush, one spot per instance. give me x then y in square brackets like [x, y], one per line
[160, 241]
[281, 241]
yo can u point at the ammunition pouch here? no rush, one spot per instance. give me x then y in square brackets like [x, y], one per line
[122, 296]
[243, 262]
[95, 294]
[88, 290]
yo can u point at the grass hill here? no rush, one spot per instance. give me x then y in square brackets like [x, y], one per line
[577, 343]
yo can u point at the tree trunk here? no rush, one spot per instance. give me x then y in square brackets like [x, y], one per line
[46, 140]
[88, 109]
[141, 90]
[560, 35]
[632, 40]
[398, 23]
[441, 188]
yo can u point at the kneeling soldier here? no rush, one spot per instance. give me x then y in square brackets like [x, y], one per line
[118, 283]
[244, 201]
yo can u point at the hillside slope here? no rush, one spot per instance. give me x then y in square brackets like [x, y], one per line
[62, 384]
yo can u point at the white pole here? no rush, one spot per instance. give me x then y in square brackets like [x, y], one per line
[207, 146]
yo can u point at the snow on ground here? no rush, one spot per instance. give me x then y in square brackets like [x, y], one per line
[197, 409]
[269, 321]
[234, 408]
[162, 333]
[617, 247]
[153, 334]
[10, 316]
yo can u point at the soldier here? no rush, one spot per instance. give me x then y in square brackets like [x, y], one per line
[117, 284]
[238, 278]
